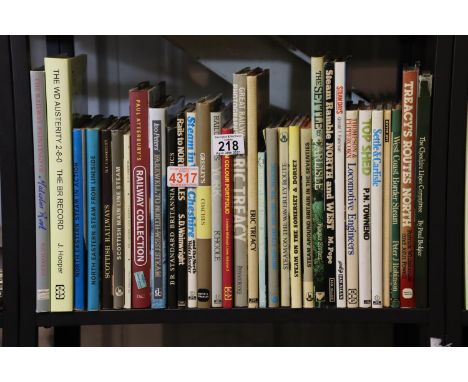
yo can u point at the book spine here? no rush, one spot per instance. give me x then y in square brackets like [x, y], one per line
[227, 225]
[408, 148]
[93, 203]
[118, 239]
[352, 254]
[140, 196]
[107, 239]
[340, 208]
[306, 194]
[422, 185]
[283, 165]
[317, 116]
[396, 168]
[376, 208]
[172, 222]
[181, 219]
[216, 253]
[271, 138]
[262, 252]
[59, 134]
[329, 178]
[295, 217]
[387, 204]
[239, 116]
[41, 182]
[127, 220]
[364, 202]
[79, 240]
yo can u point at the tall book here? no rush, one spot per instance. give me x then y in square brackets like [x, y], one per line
[387, 202]
[227, 225]
[283, 179]
[142, 97]
[306, 196]
[340, 205]
[262, 229]
[65, 87]
[317, 116]
[364, 205]
[41, 184]
[271, 141]
[257, 103]
[407, 193]
[239, 122]
[329, 186]
[377, 208]
[351, 221]
[127, 217]
[395, 180]
[423, 127]
[204, 107]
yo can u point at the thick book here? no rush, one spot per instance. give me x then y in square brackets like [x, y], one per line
[239, 122]
[272, 196]
[340, 205]
[395, 223]
[262, 229]
[407, 187]
[364, 205]
[127, 217]
[423, 129]
[376, 208]
[351, 221]
[142, 97]
[204, 107]
[329, 185]
[387, 202]
[65, 88]
[227, 229]
[41, 185]
[317, 115]
[283, 180]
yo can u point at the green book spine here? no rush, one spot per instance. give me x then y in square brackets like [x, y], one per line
[395, 200]
[422, 186]
[317, 182]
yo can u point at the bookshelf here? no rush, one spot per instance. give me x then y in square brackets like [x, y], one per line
[209, 60]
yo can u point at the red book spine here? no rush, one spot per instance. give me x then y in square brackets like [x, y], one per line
[408, 157]
[227, 224]
[139, 160]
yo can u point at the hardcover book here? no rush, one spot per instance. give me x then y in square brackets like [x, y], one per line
[387, 203]
[262, 250]
[127, 217]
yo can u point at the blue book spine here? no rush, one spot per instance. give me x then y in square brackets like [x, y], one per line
[78, 222]
[262, 239]
[93, 201]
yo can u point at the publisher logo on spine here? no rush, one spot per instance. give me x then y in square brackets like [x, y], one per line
[60, 292]
[140, 226]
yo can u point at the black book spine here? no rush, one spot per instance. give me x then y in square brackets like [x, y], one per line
[181, 219]
[106, 227]
[172, 222]
[329, 176]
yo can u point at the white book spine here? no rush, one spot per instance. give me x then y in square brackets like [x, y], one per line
[191, 217]
[377, 207]
[364, 203]
[262, 252]
[127, 221]
[340, 140]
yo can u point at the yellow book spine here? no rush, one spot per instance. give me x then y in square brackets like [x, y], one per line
[387, 202]
[59, 132]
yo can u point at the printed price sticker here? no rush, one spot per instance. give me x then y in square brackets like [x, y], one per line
[183, 176]
[228, 144]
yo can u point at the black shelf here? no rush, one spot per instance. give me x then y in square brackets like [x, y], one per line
[1, 319]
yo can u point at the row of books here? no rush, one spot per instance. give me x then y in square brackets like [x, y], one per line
[326, 210]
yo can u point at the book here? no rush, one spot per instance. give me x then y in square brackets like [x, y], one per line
[204, 107]
[387, 202]
[283, 178]
[227, 225]
[423, 126]
[317, 115]
[239, 122]
[127, 217]
[340, 205]
[352, 233]
[407, 190]
[271, 140]
[329, 185]
[396, 168]
[364, 205]
[262, 239]
[65, 88]
[376, 196]
[142, 97]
